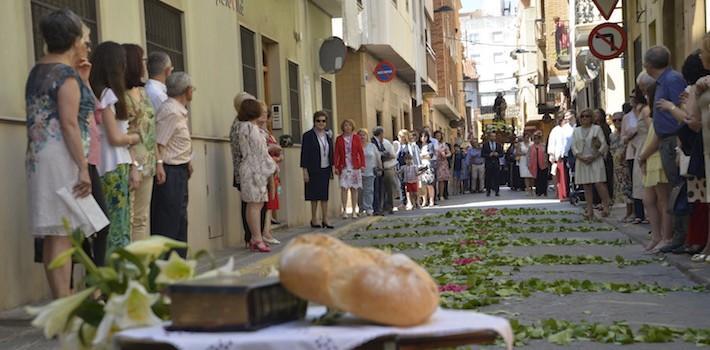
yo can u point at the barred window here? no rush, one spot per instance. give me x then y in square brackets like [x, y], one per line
[294, 101]
[248, 61]
[163, 31]
[326, 90]
[86, 9]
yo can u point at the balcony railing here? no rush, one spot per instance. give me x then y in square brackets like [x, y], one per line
[431, 64]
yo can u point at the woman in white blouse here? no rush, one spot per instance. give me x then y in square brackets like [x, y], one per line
[373, 164]
[108, 82]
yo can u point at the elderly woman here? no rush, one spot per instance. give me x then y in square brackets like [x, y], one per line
[255, 169]
[589, 148]
[108, 82]
[443, 174]
[317, 165]
[621, 171]
[348, 163]
[404, 145]
[373, 164]
[523, 161]
[537, 164]
[427, 178]
[141, 120]
[696, 138]
[58, 104]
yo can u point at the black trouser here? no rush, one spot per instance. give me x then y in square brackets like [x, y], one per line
[541, 182]
[492, 173]
[402, 190]
[378, 194]
[168, 208]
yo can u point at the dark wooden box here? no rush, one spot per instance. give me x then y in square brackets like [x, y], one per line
[224, 304]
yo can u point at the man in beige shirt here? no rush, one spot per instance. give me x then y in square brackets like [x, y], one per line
[169, 204]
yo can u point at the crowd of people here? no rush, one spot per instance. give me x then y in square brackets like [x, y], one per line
[96, 128]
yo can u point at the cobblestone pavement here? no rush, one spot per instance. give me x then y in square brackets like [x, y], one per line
[682, 309]
[608, 239]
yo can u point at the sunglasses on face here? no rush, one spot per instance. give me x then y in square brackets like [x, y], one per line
[320, 121]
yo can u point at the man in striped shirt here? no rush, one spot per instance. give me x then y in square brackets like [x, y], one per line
[169, 204]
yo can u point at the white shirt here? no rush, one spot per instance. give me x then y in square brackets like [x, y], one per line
[567, 134]
[434, 142]
[389, 149]
[324, 149]
[629, 128]
[157, 92]
[372, 159]
[111, 156]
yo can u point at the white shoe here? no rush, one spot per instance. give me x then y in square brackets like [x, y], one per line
[354, 215]
[271, 240]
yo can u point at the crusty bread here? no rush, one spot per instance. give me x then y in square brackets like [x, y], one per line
[367, 282]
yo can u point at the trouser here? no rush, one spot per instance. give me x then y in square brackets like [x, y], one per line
[97, 242]
[667, 149]
[368, 193]
[389, 188]
[168, 208]
[377, 194]
[492, 173]
[541, 182]
[402, 190]
[478, 173]
[140, 209]
[562, 179]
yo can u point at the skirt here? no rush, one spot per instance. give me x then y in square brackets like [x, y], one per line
[316, 189]
[273, 203]
[350, 178]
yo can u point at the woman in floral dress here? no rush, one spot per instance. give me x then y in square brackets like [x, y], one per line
[141, 120]
[349, 162]
[255, 169]
[443, 173]
[58, 104]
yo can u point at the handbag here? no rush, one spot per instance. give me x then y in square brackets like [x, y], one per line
[683, 163]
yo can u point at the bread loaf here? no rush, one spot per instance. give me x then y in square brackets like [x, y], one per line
[367, 282]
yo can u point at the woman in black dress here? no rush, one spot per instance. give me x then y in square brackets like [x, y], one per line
[317, 164]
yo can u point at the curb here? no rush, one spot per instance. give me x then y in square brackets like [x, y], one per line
[265, 265]
[681, 262]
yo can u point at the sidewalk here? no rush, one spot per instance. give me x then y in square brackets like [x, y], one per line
[697, 272]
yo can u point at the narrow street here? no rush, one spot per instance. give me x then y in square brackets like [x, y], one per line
[537, 262]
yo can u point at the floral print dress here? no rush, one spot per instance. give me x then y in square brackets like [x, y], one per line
[48, 163]
[256, 165]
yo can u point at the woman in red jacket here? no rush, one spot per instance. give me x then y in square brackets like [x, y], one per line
[349, 161]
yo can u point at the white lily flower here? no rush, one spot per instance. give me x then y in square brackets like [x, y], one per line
[130, 310]
[153, 246]
[70, 340]
[225, 270]
[175, 269]
[54, 316]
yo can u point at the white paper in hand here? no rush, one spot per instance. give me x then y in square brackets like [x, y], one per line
[85, 211]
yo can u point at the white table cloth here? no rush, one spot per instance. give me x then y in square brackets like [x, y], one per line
[302, 335]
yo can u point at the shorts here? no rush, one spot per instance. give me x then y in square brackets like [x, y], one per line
[411, 187]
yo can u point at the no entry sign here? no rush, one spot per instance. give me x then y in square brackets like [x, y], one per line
[607, 41]
[385, 71]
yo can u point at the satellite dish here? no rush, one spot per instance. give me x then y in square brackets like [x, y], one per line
[587, 65]
[332, 55]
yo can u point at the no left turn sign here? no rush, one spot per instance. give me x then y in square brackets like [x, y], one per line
[607, 41]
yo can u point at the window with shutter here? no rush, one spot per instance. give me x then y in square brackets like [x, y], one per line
[86, 9]
[163, 31]
[294, 101]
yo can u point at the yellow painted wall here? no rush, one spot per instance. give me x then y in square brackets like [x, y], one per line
[392, 98]
[213, 59]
